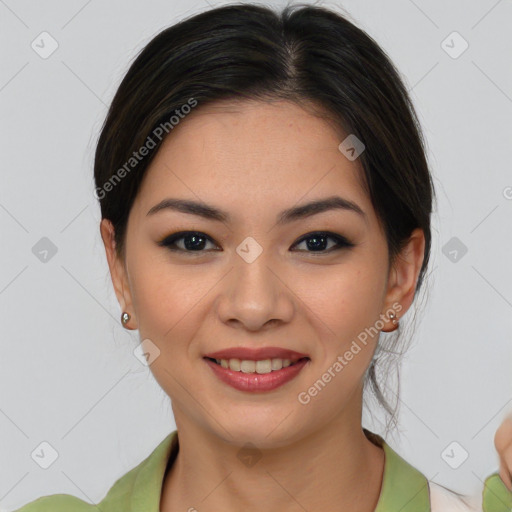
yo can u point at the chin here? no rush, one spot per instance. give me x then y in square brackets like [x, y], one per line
[263, 431]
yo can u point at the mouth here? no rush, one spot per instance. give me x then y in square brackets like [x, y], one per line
[262, 375]
[261, 366]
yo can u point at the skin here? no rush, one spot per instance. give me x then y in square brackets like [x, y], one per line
[503, 444]
[254, 160]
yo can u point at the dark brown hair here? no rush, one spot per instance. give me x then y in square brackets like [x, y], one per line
[305, 54]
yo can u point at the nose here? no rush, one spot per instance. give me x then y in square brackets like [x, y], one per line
[255, 296]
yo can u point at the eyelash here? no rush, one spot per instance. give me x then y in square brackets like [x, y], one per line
[341, 242]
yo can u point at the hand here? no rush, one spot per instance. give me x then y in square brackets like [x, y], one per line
[503, 444]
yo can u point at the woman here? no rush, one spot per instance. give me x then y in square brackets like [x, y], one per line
[266, 205]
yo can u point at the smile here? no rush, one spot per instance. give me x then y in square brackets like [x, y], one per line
[256, 375]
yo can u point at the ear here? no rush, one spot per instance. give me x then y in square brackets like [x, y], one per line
[118, 272]
[404, 273]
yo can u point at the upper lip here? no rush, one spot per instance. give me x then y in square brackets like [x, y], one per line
[256, 354]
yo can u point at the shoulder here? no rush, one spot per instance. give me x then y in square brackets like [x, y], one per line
[138, 487]
[57, 503]
[118, 494]
[444, 500]
[496, 497]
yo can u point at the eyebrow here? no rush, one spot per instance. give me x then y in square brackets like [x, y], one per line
[289, 215]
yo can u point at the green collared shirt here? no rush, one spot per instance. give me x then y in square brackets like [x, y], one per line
[403, 489]
[496, 497]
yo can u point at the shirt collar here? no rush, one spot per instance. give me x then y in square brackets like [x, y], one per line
[403, 488]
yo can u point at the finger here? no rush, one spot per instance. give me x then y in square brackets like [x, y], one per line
[505, 476]
[503, 436]
[506, 469]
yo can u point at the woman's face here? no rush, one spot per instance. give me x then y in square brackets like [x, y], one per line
[249, 280]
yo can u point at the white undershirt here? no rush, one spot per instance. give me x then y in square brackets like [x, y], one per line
[443, 500]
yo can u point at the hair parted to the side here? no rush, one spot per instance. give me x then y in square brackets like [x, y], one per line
[307, 54]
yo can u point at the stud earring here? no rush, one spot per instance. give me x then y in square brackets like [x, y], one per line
[394, 320]
[125, 317]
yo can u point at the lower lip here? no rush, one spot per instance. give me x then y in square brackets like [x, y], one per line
[255, 382]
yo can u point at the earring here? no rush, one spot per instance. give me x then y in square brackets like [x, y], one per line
[394, 320]
[125, 317]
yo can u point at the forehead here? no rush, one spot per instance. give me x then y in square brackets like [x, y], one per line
[253, 155]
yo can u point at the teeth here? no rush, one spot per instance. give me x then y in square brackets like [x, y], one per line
[248, 366]
[264, 366]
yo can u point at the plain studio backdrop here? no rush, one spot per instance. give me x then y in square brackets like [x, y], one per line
[68, 373]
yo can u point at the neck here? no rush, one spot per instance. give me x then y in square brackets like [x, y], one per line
[335, 468]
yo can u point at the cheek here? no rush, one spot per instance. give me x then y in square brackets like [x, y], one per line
[346, 298]
[168, 300]
[168, 305]
[345, 308]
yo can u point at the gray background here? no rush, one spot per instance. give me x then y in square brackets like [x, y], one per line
[68, 375]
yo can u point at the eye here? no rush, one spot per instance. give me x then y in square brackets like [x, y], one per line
[194, 241]
[319, 241]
